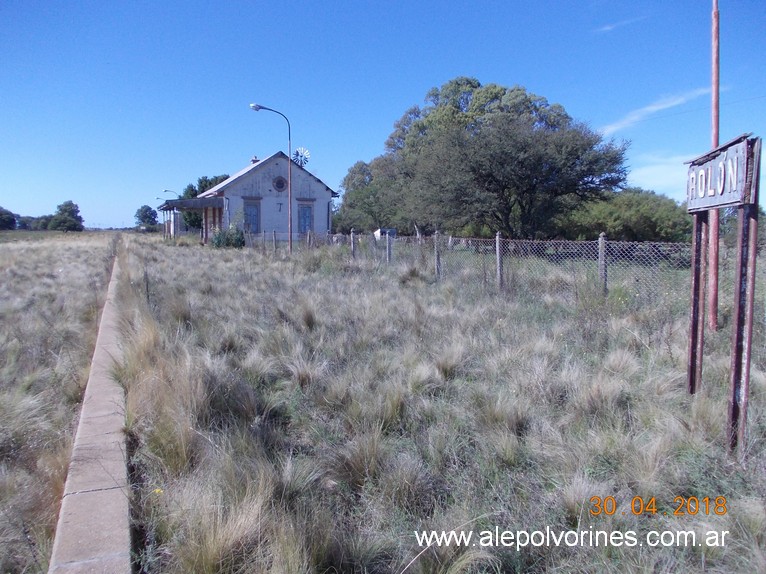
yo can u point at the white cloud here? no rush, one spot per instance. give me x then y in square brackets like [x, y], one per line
[615, 25]
[665, 174]
[641, 114]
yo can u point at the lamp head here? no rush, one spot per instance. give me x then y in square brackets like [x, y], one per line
[255, 107]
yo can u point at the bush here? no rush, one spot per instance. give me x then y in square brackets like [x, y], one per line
[231, 237]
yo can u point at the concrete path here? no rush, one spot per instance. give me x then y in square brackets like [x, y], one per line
[93, 531]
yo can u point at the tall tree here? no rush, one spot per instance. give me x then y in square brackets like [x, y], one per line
[491, 157]
[145, 215]
[7, 219]
[67, 218]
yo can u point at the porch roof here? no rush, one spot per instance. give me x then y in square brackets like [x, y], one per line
[188, 204]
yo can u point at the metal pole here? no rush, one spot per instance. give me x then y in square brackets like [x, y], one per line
[712, 293]
[258, 107]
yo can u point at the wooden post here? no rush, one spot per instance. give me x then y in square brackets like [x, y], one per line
[437, 257]
[602, 265]
[353, 244]
[742, 333]
[697, 315]
[499, 259]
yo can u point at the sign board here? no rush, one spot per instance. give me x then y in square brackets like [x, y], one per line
[724, 177]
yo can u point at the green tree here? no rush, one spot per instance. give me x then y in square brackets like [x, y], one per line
[193, 219]
[505, 159]
[146, 216]
[7, 219]
[67, 218]
[633, 214]
[486, 158]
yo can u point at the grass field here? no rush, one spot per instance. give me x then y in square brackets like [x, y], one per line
[51, 293]
[309, 415]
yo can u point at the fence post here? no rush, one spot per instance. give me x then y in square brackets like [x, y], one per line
[353, 244]
[602, 267]
[437, 257]
[388, 248]
[263, 243]
[499, 259]
[274, 238]
[308, 239]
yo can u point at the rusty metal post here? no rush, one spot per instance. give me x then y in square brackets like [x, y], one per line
[602, 266]
[712, 293]
[499, 259]
[697, 314]
[353, 244]
[437, 257]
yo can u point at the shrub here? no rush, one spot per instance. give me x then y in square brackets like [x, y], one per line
[231, 237]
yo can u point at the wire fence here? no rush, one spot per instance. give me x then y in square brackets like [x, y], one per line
[645, 273]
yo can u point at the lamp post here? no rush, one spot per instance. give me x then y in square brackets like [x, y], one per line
[256, 108]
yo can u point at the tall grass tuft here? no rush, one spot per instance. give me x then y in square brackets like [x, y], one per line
[310, 414]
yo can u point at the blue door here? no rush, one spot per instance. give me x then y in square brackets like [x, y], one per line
[252, 217]
[305, 218]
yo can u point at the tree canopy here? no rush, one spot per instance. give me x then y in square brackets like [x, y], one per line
[482, 157]
[193, 219]
[146, 216]
[633, 214]
[67, 218]
[7, 219]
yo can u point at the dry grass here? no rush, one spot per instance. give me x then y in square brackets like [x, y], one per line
[308, 415]
[52, 291]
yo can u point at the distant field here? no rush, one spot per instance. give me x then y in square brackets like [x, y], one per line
[51, 292]
[309, 415]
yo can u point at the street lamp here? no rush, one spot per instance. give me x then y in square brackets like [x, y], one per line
[256, 108]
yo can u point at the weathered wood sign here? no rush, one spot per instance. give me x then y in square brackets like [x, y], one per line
[726, 176]
[720, 177]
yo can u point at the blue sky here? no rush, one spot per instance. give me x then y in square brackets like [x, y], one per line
[107, 103]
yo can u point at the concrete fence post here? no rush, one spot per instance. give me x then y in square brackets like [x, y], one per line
[602, 266]
[499, 259]
[308, 239]
[437, 257]
[388, 248]
[353, 244]
[274, 240]
[263, 241]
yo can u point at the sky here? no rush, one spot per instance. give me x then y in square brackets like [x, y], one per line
[109, 103]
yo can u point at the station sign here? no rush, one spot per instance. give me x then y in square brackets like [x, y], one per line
[725, 176]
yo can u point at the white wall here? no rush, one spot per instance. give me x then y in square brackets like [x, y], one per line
[259, 183]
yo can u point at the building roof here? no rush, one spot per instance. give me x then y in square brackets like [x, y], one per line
[194, 203]
[218, 189]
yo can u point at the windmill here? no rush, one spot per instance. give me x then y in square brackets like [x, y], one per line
[301, 156]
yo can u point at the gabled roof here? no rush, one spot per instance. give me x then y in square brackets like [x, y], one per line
[219, 189]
